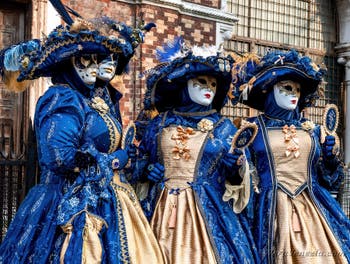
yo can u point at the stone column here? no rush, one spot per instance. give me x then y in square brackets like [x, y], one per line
[343, 52]
[38, 28]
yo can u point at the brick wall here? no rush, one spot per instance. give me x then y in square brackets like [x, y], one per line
[215, 3]
[170, 23]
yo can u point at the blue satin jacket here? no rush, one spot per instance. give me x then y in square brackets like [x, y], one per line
[65, 124]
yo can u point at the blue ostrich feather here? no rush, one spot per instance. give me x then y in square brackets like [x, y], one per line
[170, 50]
[10, 58]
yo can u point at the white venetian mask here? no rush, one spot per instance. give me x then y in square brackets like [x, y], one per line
[106, 69]
[86, 68]
[202, 89]
[287, 94]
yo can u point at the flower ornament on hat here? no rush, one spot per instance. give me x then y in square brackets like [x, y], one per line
[11, 60]
[80, 37]
[180, 63]
[255, 77]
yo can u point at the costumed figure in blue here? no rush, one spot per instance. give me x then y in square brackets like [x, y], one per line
[82, 211]
[296, 219]
[185, 160]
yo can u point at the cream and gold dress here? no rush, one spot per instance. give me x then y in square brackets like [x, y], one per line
[302, 233]
[177, 221]
[296, 219]
[190, 219]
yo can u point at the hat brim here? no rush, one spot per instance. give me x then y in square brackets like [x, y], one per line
[67, 45]
[268, 78]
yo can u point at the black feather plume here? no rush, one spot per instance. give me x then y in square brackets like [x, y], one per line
[149, 26]
[75, 13]
[57, 4]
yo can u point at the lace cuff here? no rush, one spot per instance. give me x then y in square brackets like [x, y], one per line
[239, 193]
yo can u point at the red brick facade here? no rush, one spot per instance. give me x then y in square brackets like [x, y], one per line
[215, 4]
[170, 23]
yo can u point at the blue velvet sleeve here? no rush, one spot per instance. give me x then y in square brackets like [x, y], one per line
[60, 117]
[59, 125]
[230, 171]
[147, 151]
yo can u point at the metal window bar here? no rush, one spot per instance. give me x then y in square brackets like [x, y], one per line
[344, 193]
[18, 171]
[11, 175]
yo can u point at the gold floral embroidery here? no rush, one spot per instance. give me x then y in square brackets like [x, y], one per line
[292, 141]
[205, 125]
[181, 150]
[99, 104]
[308, 125]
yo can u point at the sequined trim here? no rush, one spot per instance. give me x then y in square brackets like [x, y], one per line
[272, 211]
[114, 134]
[131, 194]
[124, 249]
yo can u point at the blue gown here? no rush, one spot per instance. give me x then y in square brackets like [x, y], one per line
[75, 214]
[294, 213]
[198, 212]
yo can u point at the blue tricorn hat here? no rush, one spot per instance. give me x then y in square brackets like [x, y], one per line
[178, 65]
[255, 77]
[42, 58]
[102, 36]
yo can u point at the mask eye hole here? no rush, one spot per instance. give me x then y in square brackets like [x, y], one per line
[288, 88]
[94, 58]
[86, 57]
[213, 84]
[202, 81]
[85, 61]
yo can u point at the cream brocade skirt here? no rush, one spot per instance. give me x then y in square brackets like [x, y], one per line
[138, 244]
[177, 221]
[180, 229]
[303, 235]
[142, 244]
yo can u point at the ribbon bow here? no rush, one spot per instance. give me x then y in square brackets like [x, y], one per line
[181, 150]
[280, 59]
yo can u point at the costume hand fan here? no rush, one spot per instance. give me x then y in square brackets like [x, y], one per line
[244, 136]
[129, 135]
[330, 124]
[330, 118]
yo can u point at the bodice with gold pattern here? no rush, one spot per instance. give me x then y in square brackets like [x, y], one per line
[181, 148]
[291, 159]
